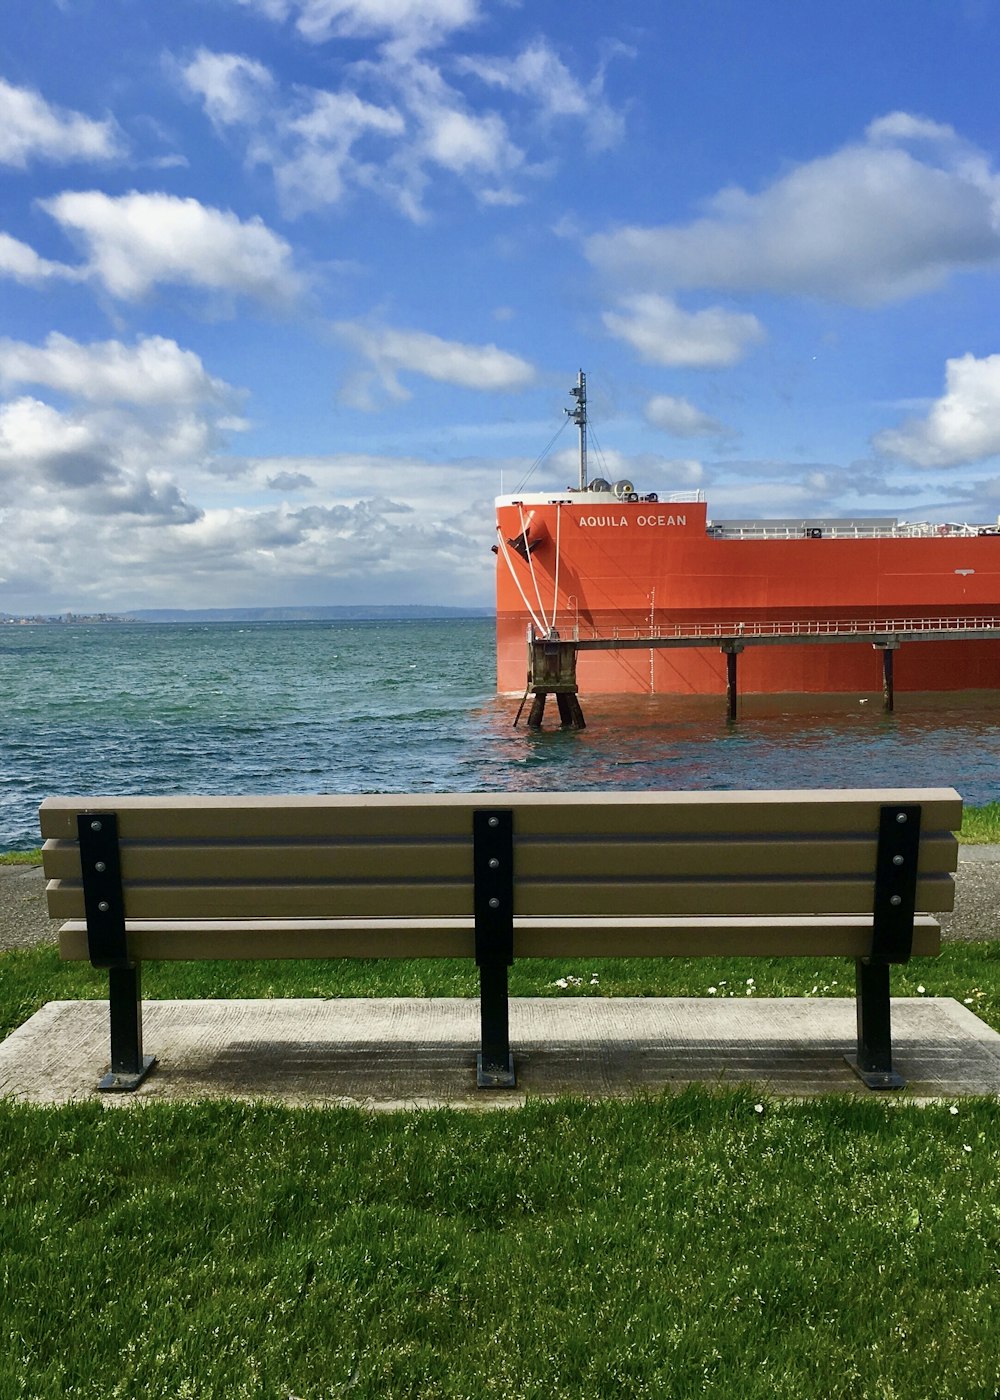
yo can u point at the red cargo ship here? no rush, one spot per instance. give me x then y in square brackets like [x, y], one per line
[604, 562]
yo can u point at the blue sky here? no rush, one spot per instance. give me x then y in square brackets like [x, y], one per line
[289, 289]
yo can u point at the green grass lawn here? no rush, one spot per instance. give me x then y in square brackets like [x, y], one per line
[690, 1245]
[981, 825]
[695, 1244]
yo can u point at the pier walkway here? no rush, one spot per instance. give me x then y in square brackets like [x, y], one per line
[878, 631]
[552, 659]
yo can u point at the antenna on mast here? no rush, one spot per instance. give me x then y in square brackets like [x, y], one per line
[579, 417]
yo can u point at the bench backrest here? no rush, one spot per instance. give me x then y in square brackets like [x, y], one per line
[622, 855]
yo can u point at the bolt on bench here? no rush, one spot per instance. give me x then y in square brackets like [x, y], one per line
[494, 877]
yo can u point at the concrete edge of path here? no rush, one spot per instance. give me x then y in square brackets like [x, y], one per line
[414, 1052]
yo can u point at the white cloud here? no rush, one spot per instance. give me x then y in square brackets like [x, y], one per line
[116, 496]
[339, 118]
[231, 87]
[419, 23]
[443, 132]
[32, 129]
[397, 121]
[681, 418]
[663, 334]
[461, 142]
[136, 241]
[80, 468]
[136, 425]
[962, 426]
[539, 73]
[904, 126]
[391, 351]
[312, 152]
[327, 145]
[23, 264]
[290, 481]
[356, 521]
[868, 224]
[155, 371]
[35, 436]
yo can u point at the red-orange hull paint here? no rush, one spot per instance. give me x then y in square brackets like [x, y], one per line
[632, 565]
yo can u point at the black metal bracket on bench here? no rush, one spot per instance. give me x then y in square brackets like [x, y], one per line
[896, 862]
[493, 906]
[107, 945]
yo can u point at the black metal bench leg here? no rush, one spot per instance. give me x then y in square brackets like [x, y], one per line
[129, 1066]
[494, 1063]
[873, 1062]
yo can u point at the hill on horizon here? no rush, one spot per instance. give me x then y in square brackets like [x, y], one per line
[352, 613]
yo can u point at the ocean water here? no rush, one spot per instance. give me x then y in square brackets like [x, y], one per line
[410, 706]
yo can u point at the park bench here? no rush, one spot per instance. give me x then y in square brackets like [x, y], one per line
[502, 876]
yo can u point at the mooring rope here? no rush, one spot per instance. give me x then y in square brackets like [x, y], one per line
[555, 585]
[541, 626]
[531, 564]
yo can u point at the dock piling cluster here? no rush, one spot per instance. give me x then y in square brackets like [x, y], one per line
[552, 671]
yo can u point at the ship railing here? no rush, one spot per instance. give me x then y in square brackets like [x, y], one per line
[818, 627]
[831, 530]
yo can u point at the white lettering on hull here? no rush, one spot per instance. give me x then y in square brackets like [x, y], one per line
[592, 521]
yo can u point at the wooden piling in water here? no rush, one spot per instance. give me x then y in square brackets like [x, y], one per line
[731, 651]
[569, 710]
[888, 650]
[552, 671]
[537, 712]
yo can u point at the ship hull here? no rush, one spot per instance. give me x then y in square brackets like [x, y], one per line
[635, 570]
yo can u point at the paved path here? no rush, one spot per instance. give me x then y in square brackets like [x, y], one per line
[414, 1052]
[24, 919]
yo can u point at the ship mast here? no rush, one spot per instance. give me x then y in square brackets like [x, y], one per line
[579, 417]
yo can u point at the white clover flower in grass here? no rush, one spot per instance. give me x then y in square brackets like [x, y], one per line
[560, 982]
[712, 991]
[758, 1108]
[966, 1147]
[953, 1108]
[921, 989]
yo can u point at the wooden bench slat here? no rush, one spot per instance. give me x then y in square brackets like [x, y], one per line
[219, 862]
[381, 815]
[846, 936]
[534, 859]
[545, 898]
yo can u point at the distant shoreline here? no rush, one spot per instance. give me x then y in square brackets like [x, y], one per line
[359, 613]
